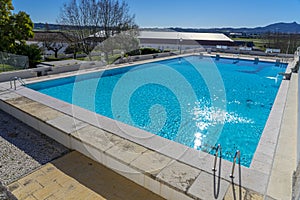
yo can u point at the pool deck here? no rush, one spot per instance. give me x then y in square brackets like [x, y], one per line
[285, 162]
[74, 176]
[166, 168]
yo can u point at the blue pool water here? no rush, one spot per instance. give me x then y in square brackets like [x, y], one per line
[198, 102]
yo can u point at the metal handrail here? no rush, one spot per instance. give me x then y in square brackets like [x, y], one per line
[216, 156]
[14, 79]
[21, 81]
[237, 154]
[214, 169]
[236, 58]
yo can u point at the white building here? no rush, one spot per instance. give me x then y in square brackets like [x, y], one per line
[182, 40]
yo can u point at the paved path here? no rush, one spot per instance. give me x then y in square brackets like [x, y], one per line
[75, 176]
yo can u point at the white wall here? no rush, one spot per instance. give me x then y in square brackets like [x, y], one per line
[47, 70]
[48, 52]
[26, 73]
[297, 56]
[170, 46]
[298, 149]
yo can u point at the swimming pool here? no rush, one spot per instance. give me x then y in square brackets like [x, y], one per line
[195, 101]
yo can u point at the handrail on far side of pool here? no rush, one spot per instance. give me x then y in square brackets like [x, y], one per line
[14, 79]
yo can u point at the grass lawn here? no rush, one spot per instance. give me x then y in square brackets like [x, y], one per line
[111, 58]
[5, 68]
[258, 42]
[286, 43]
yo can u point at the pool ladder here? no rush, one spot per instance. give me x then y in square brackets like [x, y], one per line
[214, 169]
[237, 157]
[236, 59]
[216, 156]
[13, 80]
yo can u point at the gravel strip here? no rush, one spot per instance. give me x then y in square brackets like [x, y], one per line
[5, 194]
[23, 149]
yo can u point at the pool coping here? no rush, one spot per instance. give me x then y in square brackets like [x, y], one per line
[199, 163]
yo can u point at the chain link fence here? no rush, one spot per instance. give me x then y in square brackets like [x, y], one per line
[10, 62]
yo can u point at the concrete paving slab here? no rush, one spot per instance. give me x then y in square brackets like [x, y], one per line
[151, 162]
[67, 124]
[126, 151]
[208, 186]
[99, 138]
[179, 175]
[236, 192]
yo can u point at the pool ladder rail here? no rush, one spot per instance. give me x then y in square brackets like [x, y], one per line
[217, 184]
[216, 157]
[236, 161]
[13, 80]
[237, 155]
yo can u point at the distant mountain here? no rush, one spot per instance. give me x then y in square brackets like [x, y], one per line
[281, 27]
[277, 27]
[42, 26]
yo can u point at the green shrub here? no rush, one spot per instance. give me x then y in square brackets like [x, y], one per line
[32, 51]
[143, 51]
[52, 58]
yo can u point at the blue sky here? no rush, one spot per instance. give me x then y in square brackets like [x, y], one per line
[188, 13]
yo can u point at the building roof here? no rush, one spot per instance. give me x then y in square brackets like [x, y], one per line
[54, 36]
[184, 36]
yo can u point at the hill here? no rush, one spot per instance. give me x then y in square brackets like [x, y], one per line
[42, 26]
[281, 27]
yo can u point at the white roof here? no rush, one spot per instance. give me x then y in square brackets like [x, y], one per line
[183, 36]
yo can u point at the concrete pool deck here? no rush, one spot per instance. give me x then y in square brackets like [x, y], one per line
[166, 168]
[285, 161]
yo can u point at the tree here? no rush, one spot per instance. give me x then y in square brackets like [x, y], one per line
[53, 41]
[14, 28]
[54, 46]
[5, 15]
[93, 21]
[114, 17]
[287, 43]
[125, 41]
